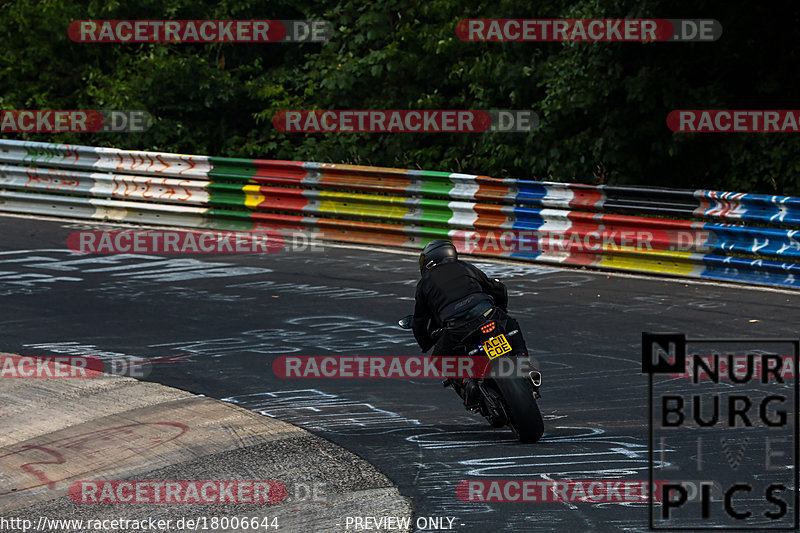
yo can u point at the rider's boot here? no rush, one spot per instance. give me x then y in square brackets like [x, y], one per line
[471, 393]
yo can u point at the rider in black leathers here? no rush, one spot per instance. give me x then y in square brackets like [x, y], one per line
[451, 295]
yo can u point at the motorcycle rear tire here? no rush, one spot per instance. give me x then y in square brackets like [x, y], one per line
[526, 419]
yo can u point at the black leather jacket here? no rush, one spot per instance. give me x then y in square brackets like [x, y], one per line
[447, 290]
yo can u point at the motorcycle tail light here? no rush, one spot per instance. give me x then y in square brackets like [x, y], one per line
[487, 328]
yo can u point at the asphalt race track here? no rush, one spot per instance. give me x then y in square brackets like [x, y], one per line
[213, 325]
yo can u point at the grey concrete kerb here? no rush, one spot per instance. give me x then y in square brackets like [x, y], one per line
[56, 431]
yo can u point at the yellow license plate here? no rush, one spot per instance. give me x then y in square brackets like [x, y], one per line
[496, 346]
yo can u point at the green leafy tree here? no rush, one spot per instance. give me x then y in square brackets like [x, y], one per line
[602, 106]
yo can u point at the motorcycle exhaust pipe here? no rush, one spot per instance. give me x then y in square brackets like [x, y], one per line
[536, 378]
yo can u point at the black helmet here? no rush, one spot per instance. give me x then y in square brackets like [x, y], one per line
[434, 253]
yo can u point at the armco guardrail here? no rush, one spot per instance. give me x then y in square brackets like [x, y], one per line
[704, 234]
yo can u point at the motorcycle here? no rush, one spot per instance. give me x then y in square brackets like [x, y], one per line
[503, 400]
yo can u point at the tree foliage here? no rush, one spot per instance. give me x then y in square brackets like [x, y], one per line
[602, 106]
